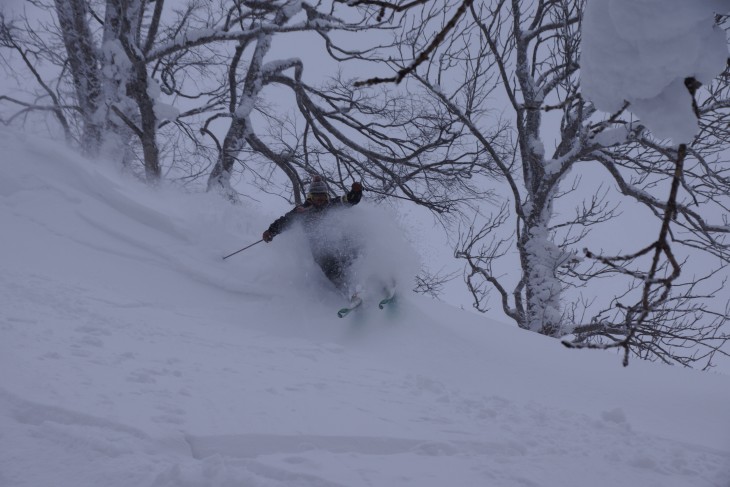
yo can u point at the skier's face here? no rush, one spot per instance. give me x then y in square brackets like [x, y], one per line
[319, 199]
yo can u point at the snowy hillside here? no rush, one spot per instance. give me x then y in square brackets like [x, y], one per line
[131, 354]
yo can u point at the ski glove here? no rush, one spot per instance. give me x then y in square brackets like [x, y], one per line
[353, 197]
[268, 236]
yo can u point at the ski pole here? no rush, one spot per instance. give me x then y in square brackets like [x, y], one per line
[247, 247]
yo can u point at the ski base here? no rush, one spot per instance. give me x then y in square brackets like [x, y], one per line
[358, 301]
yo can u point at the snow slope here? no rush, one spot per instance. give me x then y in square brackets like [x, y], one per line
[131, 354]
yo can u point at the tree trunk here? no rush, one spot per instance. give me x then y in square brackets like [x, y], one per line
[117, 136]
[540, 261]
[138, 86]
[235, 139]
[79, 43]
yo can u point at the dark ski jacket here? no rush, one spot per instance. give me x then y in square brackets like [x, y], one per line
[309, 214]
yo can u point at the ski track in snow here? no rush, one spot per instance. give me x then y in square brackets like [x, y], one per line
[132, 356]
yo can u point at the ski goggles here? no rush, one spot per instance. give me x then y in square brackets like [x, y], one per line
[319, 198]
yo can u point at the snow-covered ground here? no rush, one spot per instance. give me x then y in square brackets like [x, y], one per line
[131, 354]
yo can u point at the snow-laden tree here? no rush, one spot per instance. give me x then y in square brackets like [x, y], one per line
[652, 58]
[186, 88]
[96, 79]
[244, 86]
[388, 140]
[117, 60]
[509, 72]
[645, 52]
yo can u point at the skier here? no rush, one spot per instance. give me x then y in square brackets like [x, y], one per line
[334, 259]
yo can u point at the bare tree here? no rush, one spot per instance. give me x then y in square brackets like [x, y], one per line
[129, 63]
[390, 141]
[112, 68]
[529, 53]
[259, 72]
[432, 284]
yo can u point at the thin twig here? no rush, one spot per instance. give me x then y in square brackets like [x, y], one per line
[661, 247]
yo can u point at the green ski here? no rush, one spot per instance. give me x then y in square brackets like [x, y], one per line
[387, 300]
[355, 303]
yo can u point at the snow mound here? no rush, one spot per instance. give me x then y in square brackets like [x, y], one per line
[641, 51]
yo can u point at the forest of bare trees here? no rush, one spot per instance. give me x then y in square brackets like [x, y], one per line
[474, 111]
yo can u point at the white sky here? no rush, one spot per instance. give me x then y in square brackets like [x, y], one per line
[11, 8]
